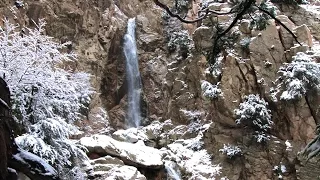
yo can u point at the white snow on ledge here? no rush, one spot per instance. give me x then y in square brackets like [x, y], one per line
[142, 155]
[27, 158]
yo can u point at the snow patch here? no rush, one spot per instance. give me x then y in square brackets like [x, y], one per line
[210, 91]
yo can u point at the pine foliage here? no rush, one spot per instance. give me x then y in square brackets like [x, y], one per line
[298, 78]
[253, 113]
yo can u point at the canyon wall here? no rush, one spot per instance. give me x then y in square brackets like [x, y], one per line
[172, 77]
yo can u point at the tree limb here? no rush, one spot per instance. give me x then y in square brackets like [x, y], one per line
[206, 12]
[32, 166]
[278, 21]
[246, 6]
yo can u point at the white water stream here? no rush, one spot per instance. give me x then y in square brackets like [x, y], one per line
[133, 76]
[171, 172]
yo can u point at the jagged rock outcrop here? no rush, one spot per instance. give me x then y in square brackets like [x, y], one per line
[303, 15]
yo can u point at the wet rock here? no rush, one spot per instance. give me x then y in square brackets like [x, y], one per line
[150, 41]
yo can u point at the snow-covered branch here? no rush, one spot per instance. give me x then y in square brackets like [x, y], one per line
[46, 98]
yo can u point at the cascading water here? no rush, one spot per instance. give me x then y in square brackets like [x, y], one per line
[133, 75]
[171, 172]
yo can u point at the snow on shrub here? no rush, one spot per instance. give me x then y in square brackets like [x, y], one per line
[230, 150]
[210, 91]
[298, 77]
[180, 41]
[215, 69]
[182, 5]
[46, 98]
[280, 170]
[196, 163]
[253, 113]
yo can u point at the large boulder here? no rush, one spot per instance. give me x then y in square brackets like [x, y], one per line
[202, 37]
[132, 154]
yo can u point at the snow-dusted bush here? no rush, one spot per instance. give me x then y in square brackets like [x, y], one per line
[180, 41]
[47, 98]
[280, 170]
[260, 20]
[253, 113]
[182, 5]
[298, 77]
[230, 150]
[216, 69]
[210, 91]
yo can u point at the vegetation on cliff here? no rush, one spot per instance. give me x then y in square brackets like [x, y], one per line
[47, 96]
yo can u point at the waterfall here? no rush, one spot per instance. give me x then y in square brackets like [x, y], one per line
[133, 76]
[171, 172]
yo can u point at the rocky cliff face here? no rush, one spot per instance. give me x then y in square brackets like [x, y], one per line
[172, 78]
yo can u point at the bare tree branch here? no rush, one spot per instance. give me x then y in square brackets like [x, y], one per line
[278, 21]
[206, 12]
[240, 10]
[246, 6]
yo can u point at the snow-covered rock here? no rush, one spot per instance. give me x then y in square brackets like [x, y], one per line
[197, 163]
[36, 165]
[125, 173]
[133, 154]
[155, 129]
[131, 135]
[107, 160]
[119, 172]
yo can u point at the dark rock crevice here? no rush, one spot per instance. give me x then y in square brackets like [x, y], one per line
[311, 107]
